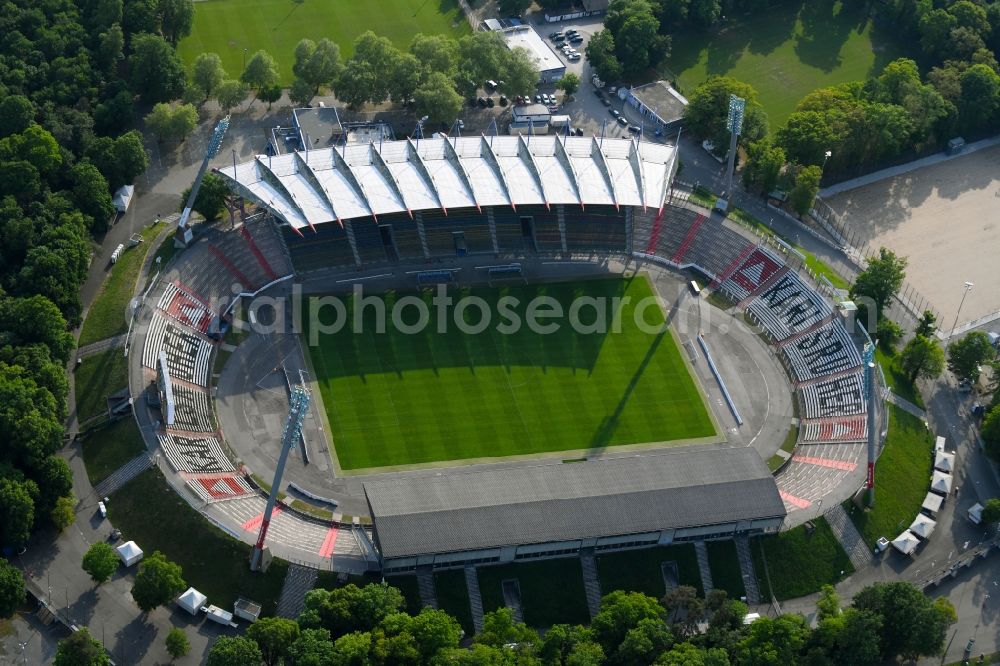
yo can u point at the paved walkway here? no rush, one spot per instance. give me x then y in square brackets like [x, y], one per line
[849, 537]
[124, 474]
[907, 406]
[101, 345]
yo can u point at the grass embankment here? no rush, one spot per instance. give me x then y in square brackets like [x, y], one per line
[640, 570]
[902, 478]
[800, 563]
[107, 448]
[897, 379]
[108, 314]
[784, 52]
[725, 566]
[150, 512]
[394, 398]
[234, 27]
[96, 378]
[453, 597]
[551, 591]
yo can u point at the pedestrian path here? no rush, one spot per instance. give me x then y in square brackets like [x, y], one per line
[124, 474]
[101, 345]
[849, 537]
[907, 406]
[298, 581]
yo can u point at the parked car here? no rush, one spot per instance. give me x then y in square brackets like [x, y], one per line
[571, 32]
[573, 57]
[598, 93]
[553, 35]
[490, 85]
[504, 101]
[634, 129]
[605, 101]
[622, 120]
[558, 39]
[579, 131]
[576, 39]
[490, 103]
[481, 101]
[614, 113]
[538, 99]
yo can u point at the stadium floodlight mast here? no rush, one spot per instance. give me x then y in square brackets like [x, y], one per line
[734, 123]
[968, 288]
[184, 234]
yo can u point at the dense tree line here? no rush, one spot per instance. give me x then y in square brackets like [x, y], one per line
[70, 76]
[368, 625]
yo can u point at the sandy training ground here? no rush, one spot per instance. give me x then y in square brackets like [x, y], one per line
[946, 219]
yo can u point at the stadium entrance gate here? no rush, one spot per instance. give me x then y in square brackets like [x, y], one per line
[385, 231]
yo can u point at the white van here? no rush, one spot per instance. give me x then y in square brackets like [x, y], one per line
[695, 289]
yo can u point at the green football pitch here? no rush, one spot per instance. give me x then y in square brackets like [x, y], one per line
[785, 52]
[397, 399]
[227, 27]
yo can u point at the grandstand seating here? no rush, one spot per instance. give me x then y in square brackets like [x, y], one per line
[268, 240]
[440, 230]
[328, 246]
[758, 268]
[842, 396]
[187, 353]
[598, 228]
[825, 351]
[192, 411]
[842, 429]
[221, 487]
[789, 306]
[405, 236]
[510, 238]
[548, 238]
[815, 471]
[368, 240]
[185, 308]
[714, 248]
[199, 455]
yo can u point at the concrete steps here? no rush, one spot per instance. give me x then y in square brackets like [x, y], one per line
[299, 580]
[475, 598]
[701, 554]
[512, 598]
[849, 537]
[123, 475]
[425, 584]
[746, 568]
[591, 582]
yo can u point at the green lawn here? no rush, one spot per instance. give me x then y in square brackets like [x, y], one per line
[453, 597]
[898, 381]
[800, 563]
[725, 566]
[109, 447]
[551, 591]
[639, 570]
[784, 52]
[109, 311]
[902, 478]
[397, 399]
[150, 512]
[227, 27]
[97, 377]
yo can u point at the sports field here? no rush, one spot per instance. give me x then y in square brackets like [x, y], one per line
[784, 52]
[227, 27]
[396, 399]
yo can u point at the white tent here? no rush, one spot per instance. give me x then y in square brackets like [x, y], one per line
[939, 444]
[944, 461]
[905, 543]
[976, 513]
[923, 526]
[941, 482]
[192, 601]
[123, 197]
[129, 553]
[932, 502]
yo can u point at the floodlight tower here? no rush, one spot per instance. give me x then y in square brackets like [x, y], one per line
[184, 234]
[734, 123]
[872, 400]
[298, 405]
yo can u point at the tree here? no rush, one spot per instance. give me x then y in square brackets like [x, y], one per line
[569, 84]
[272, 94]
[991, 511]
[922, 357]
[318, 64]
[881, 279]
[520, 74]
[980, 96]
[314, 647]
[100, 561]
[12, 593]
[764, 163]
[434, 630]
[806, 187]
[406, 76]
[63, 513]
[157, 582]
[773, 640]
[500, 629]
[966, 356]
[17, 512]
[806, 137]
[234, 651]
[177, 643]
[437, 99]
[261, 71]
[111, 48]
[435, 53]
[703, 13]
[639, 44]
[513, 7]
[601, 55]
[81, 649]
[91, 195]
[172, 123]
[301, 93]
[274, 636]
[708, 106]
[620, 612]
[207, 74]
[828, 604]
[176, 19]
[16, 114]
[211, 199]
[888, 333]
[927, 324]
[912, 624]
[350, 608]
[990, 432]
[155, 70]
[35, 145]
[232, 93]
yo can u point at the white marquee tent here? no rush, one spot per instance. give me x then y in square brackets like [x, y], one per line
[129, 553]
[932, 502]
[923, 526]
[941, 482]
[944, 462]
[192, 601]
[905, 543]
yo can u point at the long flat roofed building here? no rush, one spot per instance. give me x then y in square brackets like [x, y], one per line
[556, 509]
[550, 67]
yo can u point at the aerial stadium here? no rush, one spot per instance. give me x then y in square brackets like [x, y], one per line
[424, 448]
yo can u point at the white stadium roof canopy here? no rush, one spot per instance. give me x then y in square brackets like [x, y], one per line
[307, 188]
